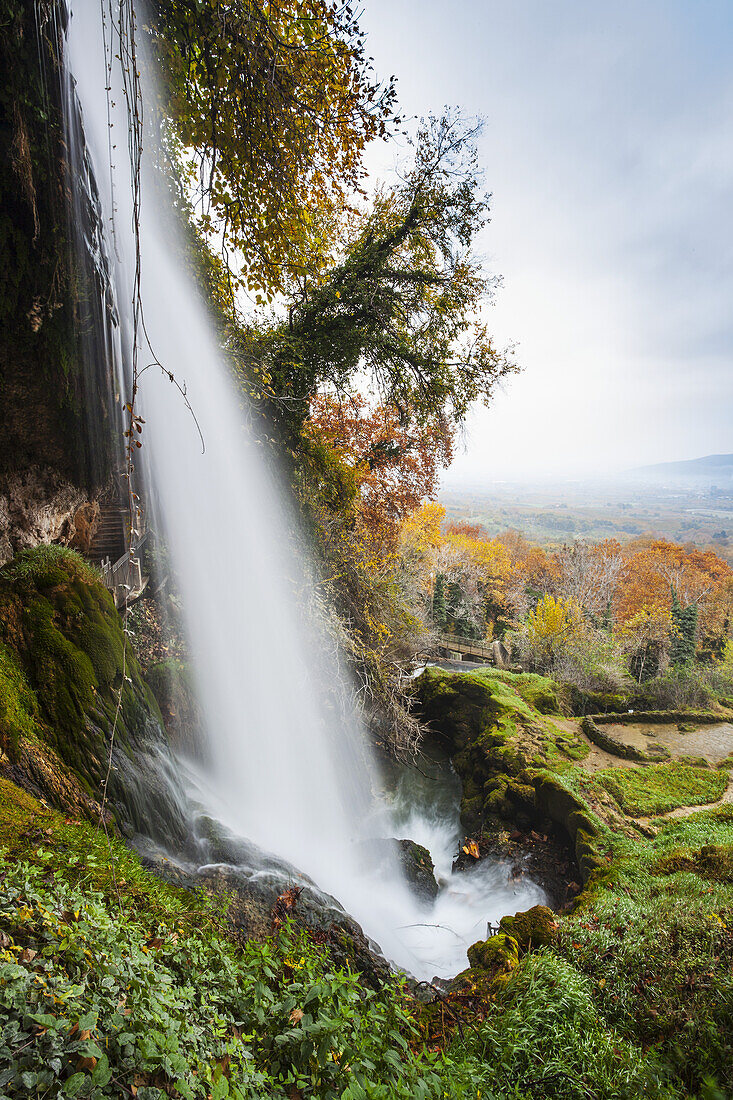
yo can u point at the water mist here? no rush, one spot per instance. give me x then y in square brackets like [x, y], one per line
[288, 764]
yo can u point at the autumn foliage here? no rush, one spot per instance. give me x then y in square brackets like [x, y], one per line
[395, 465]
[593, 612]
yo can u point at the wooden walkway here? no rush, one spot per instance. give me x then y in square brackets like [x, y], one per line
[467, 647]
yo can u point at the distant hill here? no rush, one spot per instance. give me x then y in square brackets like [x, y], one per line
[711, 470]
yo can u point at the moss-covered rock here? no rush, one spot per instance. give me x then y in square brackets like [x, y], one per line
[536, 927]
[491, 963]
[75, 706]
[495, 736]
[606, 741]
[498, 952]
[418, 867]
[380, 853]
[558, 804]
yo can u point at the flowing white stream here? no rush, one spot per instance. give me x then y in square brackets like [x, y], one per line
[288, 764]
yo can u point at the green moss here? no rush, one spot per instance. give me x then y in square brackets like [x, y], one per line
[658, 788]
[536, 927]
[48, 565]
[544, 695]
[711, 861]
[498, 953]
[494, 731]
[601, 737]
[63, 663]
[18, 705]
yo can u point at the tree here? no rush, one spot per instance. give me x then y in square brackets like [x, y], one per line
[644, 638]
[476, 568]
[273, 103]
[590, 574]
[439, 608]
[698, 578]
[549, 628]
[395, 465]
[531, 572]
[684, 631]
[399, 317]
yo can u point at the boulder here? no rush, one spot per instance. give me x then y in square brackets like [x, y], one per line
[536, 927]
[414, 860]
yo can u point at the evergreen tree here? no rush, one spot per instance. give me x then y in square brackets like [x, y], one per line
[453, 605]
[439, 609]
[684, 630]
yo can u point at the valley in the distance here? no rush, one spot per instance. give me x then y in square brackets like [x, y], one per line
[686, 502]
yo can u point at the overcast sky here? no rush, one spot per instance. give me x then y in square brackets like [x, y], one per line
[608, 146]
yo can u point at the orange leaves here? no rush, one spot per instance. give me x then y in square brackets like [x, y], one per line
[653, 569]
[395, 466]
[284, 907]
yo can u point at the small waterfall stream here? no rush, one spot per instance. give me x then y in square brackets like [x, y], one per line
[288, 764]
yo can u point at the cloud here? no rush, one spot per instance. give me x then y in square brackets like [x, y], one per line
[609, 152]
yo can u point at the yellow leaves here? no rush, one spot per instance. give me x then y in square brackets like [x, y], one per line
[282, 144]
[553, 622]
[470, 848]
[421, 530]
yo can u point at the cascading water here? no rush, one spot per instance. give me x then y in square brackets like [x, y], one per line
[287, 763]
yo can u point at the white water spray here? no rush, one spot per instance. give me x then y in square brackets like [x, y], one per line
[288, 763]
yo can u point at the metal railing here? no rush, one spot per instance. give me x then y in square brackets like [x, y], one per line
[124, 578]
[467, 645]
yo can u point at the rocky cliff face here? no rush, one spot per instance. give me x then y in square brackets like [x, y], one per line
[58, 439]
[40, 505]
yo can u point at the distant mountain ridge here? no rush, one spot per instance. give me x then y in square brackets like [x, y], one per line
[711, 468]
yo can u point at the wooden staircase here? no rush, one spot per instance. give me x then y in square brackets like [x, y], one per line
[110, 551]
[109, 539]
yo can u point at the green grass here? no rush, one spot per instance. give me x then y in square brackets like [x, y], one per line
[546, 1038]
[49, 564]
[658, 950]
[658, 788]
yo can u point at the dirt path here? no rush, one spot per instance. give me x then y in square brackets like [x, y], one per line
[712, 744]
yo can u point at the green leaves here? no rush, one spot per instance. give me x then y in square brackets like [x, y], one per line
[402, 309]
[87, 1008]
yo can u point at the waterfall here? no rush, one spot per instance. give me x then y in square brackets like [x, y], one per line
[287, 762]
